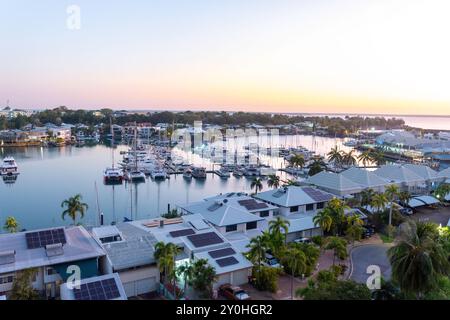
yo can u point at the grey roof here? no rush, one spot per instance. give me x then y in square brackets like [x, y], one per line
[334, 181]
[68, 294]
[444, 173]
[364, 177]
[80, 246]
[301, 224]
[398, 174]
[135, 249]
[242, 262]
[291, 196]
[424, 171]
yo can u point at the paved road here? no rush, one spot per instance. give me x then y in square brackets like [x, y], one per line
[366, 255]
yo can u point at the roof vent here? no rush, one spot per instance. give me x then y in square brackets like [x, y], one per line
[54, 249]
[7, 257]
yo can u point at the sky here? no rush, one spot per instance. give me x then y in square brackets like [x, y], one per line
[328, 56]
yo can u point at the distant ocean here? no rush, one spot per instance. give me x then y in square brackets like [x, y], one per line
[424, 122]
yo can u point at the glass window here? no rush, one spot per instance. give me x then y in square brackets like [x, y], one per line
[252, 225]
[264, 213]
[310, 207]
[294, 209]
[320, 205]
[230, 228]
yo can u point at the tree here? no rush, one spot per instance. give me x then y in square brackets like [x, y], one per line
[335, 156]
[279, 228]
[11, 225]
[203, 277]
[354, 229]
[186, 271]
[295, 264]
[365, 158]
[74, 207]
[392, 191]
[339, 247]
[22, 288]
[273, 181]
[418, 259]
[442, 191]
[378, 157]
[323, 220]
[257, 185]
[318, 165]
[297, 160]
[404, 197]
[336, 209]
[348, 158]
[165, 255]
[379, 202]
[327, 287]
[257, 253]
[366, 197]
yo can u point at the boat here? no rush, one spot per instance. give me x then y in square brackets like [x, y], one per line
[223, 173]
[199, 173]
[158, 174]
[9, 167]
[112, 175]
[135, 176]
[187, 174]
[351, 143]
[238, 173]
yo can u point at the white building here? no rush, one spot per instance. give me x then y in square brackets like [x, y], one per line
[337, 184]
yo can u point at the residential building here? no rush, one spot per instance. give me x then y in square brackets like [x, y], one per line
[53, 252]
[105, 287]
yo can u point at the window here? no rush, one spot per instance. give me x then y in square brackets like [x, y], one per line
[251, 225]
[51, 271]
[320, 205]
[310, 207]
[231, 228]
[265, 213]
[294, 209]
[6, 279]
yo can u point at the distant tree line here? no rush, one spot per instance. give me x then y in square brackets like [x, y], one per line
[334, 125]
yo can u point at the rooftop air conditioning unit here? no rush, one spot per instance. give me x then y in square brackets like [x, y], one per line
[54, 249]
[7, 257]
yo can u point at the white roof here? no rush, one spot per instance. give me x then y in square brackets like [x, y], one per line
[68, 294]
[444, 173]
[364, 177]
[293, 196]
[424, 171]
[398, 174]
[301, 224]
[334, 181]
[422, 201]
[79, 246]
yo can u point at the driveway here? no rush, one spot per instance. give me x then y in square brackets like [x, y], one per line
[366, 255]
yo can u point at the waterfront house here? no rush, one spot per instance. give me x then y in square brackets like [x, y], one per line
[335, 183]
[105, 287]
[430, 176]
[129, 253]
[367, 179]
[404, 178]
[53, 252]
[299, 205]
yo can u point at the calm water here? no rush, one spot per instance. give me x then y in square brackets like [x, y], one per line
[50, 175]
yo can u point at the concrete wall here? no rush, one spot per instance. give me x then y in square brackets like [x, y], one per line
[139, 281]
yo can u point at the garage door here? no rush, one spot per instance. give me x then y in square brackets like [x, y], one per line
[138, 287]
[240, 277]
[223, 278]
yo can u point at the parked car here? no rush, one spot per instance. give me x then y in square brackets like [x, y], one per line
[271, 261]
[233, 292]
[303, 240]
[406, 211]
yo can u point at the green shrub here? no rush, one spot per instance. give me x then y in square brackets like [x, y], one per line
[266, 278]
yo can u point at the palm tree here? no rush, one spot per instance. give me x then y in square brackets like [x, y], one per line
[442, 191]
[257, 185]
[273, 181]
[378, 157]
[323, 220]
[379, 202]
[365, 158]
[276, 227]
[348, 158]
[318, 165]
[186, 271]
[165, 255]
[417, 259]
[366, 197]
[404, 197]
[203, 277]
[11, 225]
[295, 260]
[335, 156]
[354, 229]
[336, 209]
[257, 252]
[74, 207]
[392, 191]
[339, 246]
[297, 160]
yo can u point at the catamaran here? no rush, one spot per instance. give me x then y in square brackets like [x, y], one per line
[9, 167]
[135, 175]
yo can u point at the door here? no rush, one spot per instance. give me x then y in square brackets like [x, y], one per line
[145, 285]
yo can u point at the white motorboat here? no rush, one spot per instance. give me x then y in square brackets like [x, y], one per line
[158, 174]
[199, 173]
[223, 173]
[187, 174]
[9, 167]
[135, 176]
[113, 175]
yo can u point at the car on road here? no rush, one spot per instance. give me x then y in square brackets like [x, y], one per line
[233, 292]
[406, 211]
[303, 240]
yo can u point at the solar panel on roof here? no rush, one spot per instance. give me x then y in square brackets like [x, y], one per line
[221, 253]
[181, 233]
[229, 261]
[317, 195]
[251, 204]
[41, 239]
[98, 290]
[279, 193]
[204, 239]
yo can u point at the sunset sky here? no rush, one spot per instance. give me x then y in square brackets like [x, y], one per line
[337, 56]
